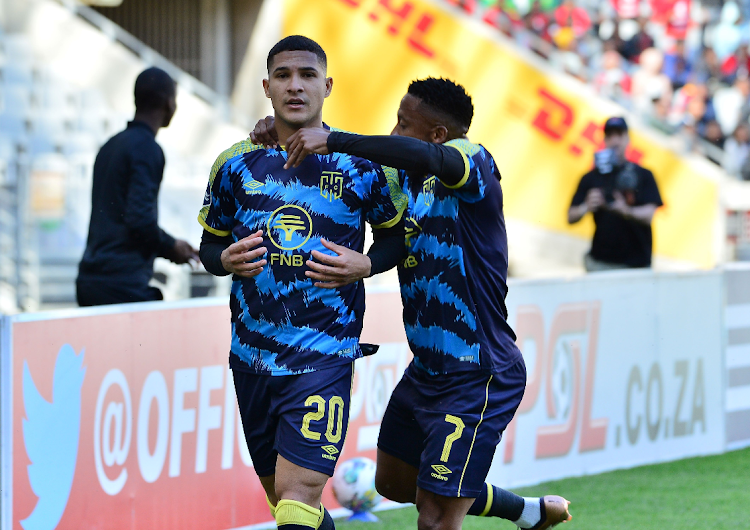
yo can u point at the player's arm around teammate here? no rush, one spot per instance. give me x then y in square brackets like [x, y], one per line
[438, 469]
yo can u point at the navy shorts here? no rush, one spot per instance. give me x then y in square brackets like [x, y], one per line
[448, 426]
[301, 417]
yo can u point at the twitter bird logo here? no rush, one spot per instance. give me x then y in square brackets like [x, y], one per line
[50, 434]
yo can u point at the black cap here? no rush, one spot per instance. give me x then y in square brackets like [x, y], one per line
[615, 124]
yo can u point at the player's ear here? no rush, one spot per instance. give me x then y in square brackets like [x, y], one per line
[329, 85]
[439, 134]
[265, 88]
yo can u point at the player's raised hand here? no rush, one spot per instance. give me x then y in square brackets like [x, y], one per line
[330, 272]
[304, 142]
[240, 258]
[265, 133]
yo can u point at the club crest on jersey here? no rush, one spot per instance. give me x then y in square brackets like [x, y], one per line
[289, 227]
[331, 185]
[428, 191]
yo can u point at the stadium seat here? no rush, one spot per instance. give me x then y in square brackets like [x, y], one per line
[79, 142]
[17, 49]
[15, 99]
[50, 123]
[20, 74]
[40, 144]
[12, 125]
[60, 100]
[7, 161]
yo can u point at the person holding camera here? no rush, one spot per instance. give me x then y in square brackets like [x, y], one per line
[623, 197]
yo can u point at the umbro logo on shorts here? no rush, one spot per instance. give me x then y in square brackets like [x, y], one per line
[439, 472]
[330, 450]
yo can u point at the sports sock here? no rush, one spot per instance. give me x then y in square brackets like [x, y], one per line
[271, 507]
[326, 521]
[533, 513]
[497, 502]
[295, 515]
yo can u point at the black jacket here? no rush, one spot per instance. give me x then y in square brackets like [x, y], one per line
[124, 235]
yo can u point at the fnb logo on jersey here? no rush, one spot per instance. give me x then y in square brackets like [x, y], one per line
[331, 185]
[289, 227]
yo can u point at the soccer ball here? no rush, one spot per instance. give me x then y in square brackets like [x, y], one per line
[354, 485]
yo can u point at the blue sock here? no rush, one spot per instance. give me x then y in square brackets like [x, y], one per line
[497, 502]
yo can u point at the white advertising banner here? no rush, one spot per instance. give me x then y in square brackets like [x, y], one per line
[624, 369]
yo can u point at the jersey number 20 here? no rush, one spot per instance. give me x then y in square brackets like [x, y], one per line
[335, 418]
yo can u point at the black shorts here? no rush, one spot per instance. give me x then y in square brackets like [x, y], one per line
[448, 426]
[301, 417]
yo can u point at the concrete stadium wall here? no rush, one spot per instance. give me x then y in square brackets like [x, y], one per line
[125, 416]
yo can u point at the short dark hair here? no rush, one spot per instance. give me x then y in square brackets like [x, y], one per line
[153, 88]
[447, 98]
[295, 43]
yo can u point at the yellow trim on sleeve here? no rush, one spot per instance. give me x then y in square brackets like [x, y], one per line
[297, 513]
[490, 493]
[466, 170]
[220, 233]
[398, 197]
[240, 148]
[390, 223]
[471, 447]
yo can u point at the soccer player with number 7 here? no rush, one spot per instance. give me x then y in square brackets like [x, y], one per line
[447, 414]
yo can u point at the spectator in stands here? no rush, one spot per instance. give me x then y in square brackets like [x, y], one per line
[732, 104]
[737, 149]
[661, 117]
[707, 67]
[623, 197]
[736, 64]
[677, 67]
[537, 21]
[727, 34]
[124, 237]
[715, 137]
[612, 81]
[569, 15]
[649, 83]
[634, 46]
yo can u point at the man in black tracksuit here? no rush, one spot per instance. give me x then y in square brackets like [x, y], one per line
[124, 235]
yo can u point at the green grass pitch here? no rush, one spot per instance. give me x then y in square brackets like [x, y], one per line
[710, 492]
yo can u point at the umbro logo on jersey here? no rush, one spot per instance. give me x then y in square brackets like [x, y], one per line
[439, 472]
[330, 451]
[254, 186]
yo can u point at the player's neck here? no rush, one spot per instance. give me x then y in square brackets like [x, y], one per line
[285, 130]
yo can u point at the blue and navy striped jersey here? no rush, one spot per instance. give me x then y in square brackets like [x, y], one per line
[453, 281]
[281, 323]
